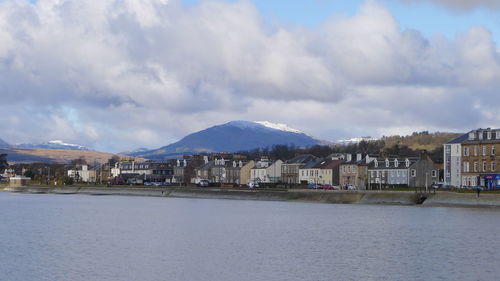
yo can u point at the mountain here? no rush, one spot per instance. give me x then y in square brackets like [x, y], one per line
[135, 152]
[3, 144]
[55, 144]
[233, 137]
[62, 156]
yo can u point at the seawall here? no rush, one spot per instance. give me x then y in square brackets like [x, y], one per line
[450, 199]
[463, 200]
[313, 196]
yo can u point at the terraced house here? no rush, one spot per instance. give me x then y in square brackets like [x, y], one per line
[354, 170]
[411, 172]
[480, 159]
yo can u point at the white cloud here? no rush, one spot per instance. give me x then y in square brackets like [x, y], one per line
[145, 73]
[463, 5]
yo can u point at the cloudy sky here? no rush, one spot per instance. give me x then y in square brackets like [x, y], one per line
[121, 74]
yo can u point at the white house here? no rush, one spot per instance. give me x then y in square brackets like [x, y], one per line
[266, 171]
[82, 174]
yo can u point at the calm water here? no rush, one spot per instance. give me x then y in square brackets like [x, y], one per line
[66, 237]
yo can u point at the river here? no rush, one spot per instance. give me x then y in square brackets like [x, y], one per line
[78, 237]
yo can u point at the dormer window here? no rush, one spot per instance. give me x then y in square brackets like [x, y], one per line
[387, 163]
[396, 163]
[488, 135]
[471, 136]
[376, 163]
[498, 135]
[407, 162]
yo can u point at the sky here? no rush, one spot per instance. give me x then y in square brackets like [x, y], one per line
[116, 75]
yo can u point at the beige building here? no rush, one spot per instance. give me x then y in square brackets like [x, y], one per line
[354, 170]
[19, 181]
[245, 172]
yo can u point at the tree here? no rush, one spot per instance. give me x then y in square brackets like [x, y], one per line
[3, 162]
[29, 174]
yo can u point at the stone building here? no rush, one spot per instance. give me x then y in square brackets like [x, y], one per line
[480, 159]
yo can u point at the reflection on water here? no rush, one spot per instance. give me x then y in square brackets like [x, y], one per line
[72, 237]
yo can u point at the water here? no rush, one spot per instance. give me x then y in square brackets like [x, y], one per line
[75, 237]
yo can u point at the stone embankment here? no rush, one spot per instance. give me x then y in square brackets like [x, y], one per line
[313, 196]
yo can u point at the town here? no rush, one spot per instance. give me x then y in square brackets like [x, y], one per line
[469, 161]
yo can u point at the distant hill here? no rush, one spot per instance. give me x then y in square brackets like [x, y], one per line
[4, 144]
[233, 137]
[16, 155]
[55, 144]
[421, 140]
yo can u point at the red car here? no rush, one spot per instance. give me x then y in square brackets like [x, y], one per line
[328, 187]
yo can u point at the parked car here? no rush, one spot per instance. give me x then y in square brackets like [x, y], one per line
[328, 187]
[315, 186]
[203, 183]
[351, 187]
[253, 184]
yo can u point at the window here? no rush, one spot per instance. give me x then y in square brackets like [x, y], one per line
[475, 150]
[488, 135]
[484, 166]
[492, 166]
[475, 166]
[396, 163]
[498, 135]
[471, 136]
[376, 163]
[413, 173]
[434, 173]
[484, 150]
[493, 150]
[466, 167]
[466, 151]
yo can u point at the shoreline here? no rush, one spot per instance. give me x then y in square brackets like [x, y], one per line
[408, 198]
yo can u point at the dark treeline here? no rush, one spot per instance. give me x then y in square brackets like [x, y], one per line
[3, 162]
[378, 147]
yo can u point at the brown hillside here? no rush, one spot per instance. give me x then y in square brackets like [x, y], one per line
[421, 140]
[58, 155]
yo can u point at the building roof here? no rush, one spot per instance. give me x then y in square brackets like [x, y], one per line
[301, 159]
[460, 139]
[312, 164]
[206, 166]
[328, 164]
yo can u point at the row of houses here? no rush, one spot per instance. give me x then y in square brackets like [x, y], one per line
[473, 159]
[360, 170]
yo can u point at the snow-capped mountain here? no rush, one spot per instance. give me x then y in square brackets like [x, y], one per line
[54, 144]
[233, 137]
[278, 126]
